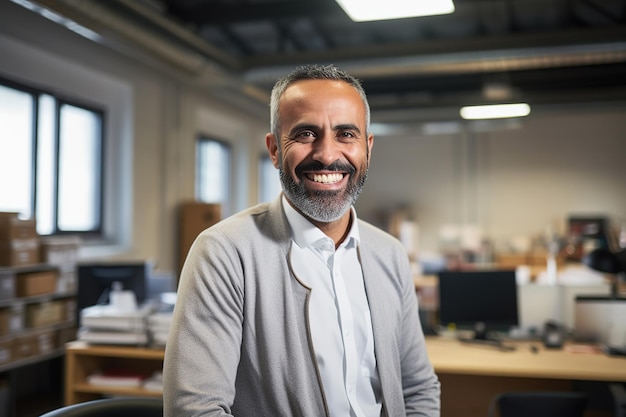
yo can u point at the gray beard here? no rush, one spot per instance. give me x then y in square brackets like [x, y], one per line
[322, 206]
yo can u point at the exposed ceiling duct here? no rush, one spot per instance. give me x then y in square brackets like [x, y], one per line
[572, 58]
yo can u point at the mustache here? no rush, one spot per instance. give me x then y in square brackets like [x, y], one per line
[318, 166]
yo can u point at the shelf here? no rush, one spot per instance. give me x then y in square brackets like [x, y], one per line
[32, 360]
[108, 390]
[84, 359]
[114, 351]
[36, 299]
[35, 330]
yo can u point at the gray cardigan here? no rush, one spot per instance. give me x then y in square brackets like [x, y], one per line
[240, 343]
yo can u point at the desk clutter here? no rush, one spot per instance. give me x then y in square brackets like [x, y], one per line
[123, 322]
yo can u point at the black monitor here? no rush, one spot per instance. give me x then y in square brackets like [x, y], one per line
[484, 301]
[95, 281]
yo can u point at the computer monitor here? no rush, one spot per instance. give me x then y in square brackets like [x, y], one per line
[484, 301]
[95, 281]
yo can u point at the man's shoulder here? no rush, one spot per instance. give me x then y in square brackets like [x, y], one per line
[379, 240]
[242, 219]
[369, 230]
[262, 220]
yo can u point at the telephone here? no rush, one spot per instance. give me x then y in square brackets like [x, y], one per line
[553, 335]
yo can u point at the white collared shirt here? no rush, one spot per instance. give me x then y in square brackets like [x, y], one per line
[339, 316]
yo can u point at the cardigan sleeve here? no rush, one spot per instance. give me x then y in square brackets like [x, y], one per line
[203, 349]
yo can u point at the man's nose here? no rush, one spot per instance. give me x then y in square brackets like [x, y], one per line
[326, 149]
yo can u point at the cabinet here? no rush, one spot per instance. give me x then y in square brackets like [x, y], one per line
[83, 359]
[194, 217]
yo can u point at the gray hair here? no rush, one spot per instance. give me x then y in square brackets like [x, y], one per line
[313, 72]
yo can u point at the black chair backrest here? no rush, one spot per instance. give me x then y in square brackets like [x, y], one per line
[112, 407]
[539, 404]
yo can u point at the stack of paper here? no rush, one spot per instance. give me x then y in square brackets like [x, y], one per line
[103, 324]
[116, 378]
[155, 382]
[159, 327]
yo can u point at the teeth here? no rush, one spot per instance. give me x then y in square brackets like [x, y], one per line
[328, 179]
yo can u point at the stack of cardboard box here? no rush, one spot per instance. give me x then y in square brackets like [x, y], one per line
[62, 252]
[33, 312]
[19, 241]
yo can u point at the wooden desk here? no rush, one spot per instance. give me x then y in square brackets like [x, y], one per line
[471, 375]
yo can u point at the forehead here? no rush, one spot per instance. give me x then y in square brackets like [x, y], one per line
[321, 103]
[319, 91]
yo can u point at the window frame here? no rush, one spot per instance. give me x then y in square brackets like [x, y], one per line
[60, 100]
[226, 202]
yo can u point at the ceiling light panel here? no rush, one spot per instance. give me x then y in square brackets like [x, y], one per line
[368, 10]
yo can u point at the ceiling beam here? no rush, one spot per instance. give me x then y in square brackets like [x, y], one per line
[600, 41]
[208, 13]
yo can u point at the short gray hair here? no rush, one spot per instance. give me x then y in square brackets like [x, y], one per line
[313, 72]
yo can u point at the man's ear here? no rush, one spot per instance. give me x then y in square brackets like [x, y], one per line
[370, 145]
[272, 148]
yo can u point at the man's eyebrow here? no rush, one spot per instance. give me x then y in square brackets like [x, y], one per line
[347, 126]
[302, 126]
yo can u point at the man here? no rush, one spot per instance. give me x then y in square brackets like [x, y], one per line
[297, 308]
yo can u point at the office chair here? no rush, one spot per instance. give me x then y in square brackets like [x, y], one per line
[112, 407]
[539, 404]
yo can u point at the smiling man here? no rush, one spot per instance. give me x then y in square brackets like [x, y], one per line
[297, 307]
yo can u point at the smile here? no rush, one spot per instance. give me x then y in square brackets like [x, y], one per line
[326, 178]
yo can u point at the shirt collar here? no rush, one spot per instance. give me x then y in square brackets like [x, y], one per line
[306, 234]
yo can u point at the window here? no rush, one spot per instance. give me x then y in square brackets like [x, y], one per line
[269, 181]
[213, 179]
[50, 160]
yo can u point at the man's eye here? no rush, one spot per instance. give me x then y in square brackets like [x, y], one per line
[305, 135]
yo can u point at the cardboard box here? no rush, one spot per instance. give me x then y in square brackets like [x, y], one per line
[45, 314]
[66, 335]
[16, 319]
[12, 227]
[33, 283]
[70, 305]
[46, 341]
[60, 251]
[25, 347]
[7, 285]
[67, 282]
[194, 217]
[5, 321]
[19, 252]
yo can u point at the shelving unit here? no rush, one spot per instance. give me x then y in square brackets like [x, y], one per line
[36, 320]
[83, 359]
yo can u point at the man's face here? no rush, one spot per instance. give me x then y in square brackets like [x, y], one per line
[324, 151]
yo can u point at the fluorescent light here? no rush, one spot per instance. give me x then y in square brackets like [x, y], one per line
[364, 10]
[57, 18]
[495, 111]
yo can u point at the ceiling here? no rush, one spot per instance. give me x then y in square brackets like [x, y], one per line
[546, 52]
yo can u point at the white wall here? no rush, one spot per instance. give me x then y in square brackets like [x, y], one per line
[508, 182]
[513, 182]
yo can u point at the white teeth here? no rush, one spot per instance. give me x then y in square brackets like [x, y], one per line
[328, 179]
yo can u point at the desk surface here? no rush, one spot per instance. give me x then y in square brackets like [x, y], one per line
[449, 356]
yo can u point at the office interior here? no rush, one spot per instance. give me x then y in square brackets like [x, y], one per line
[456, 193]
